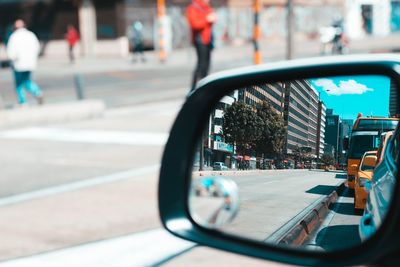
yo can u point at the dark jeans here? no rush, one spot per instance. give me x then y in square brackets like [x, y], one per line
[203, 53]
[71, 53]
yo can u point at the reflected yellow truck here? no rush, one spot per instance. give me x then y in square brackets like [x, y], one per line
[365, 136]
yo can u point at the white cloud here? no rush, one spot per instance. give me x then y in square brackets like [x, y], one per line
[349, 87]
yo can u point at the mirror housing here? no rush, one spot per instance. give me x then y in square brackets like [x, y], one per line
[174, 184]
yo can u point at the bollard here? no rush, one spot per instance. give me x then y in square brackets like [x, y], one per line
[78, 81]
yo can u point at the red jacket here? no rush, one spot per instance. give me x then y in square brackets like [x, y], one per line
[72, 36]
[197, 13]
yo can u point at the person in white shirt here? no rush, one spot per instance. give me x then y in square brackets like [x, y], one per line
[23, 51]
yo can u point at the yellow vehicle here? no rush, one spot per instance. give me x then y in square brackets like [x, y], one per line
[363, 175]
[365, 136]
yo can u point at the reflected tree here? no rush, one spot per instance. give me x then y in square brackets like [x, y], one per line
[241, 126]
[272, 139]
[259, 128]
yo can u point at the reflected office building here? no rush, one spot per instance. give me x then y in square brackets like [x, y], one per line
[302, 111]
[297, 102]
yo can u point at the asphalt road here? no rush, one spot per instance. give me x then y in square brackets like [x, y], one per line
[74, 200]
[273, 201]
[60, 189]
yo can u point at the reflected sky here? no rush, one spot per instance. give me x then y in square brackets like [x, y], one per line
[349, 95]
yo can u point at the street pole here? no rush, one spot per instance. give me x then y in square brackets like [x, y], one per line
[257, 31]
[161, 34]
[290, 30]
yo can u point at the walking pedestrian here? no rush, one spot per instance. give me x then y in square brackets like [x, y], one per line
[72, 38]
[201, 18]
[23, 49]
[137, 41]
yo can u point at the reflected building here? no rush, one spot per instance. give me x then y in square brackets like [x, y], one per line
[215, 149]
[301, 116]
[394, 108]
[336, 130]
[346, 127]
[321, 129]
[298, 103]
[332, 130]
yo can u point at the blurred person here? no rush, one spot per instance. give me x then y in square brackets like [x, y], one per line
[201, 18]
[333, 38]
[137, 41]
[23, 50]
[72, 38]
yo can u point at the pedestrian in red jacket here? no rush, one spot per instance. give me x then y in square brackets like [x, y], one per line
[72, 38]
[201, 18]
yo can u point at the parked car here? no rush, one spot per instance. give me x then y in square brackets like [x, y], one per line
[219, 166]
[381, 188]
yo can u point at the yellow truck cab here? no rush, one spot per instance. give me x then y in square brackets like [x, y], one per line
[365, 136]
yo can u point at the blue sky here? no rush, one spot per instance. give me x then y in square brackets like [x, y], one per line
[349, 95]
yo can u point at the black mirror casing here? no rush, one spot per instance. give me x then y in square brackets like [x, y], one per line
[178, 158]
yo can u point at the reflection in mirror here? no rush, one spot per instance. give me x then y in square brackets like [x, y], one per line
[308, 158]
[214, 200]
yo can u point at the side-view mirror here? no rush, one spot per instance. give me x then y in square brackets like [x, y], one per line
[272, 184]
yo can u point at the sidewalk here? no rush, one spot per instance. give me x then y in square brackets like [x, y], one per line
[223, 57]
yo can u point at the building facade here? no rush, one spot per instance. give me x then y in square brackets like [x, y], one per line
[321, 129]
[104, 25]
[301, 116]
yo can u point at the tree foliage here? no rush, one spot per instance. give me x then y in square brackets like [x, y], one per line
[301, 154]
[241, 126]
[258, 128]
[272, 139]
[328, 159]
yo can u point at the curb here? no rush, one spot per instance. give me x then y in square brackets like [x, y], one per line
[52, 113]
[239, 173]
[310, 222]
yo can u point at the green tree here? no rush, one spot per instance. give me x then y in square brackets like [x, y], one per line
[272, 140]
[241, 126]
[328, 159]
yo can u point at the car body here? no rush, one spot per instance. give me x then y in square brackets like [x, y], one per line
[363, 175]
[380, 189]
[219, 166]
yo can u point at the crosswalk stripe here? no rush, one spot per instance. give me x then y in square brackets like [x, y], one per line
[140, 249]
[59, 189]
[87, 136]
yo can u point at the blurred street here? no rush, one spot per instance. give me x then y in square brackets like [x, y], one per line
[69, 187]
[119, 82]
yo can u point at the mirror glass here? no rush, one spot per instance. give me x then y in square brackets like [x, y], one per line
[289, 163]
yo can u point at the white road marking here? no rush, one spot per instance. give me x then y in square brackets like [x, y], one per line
[87, 136]
[139, 249]
[54, 190]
